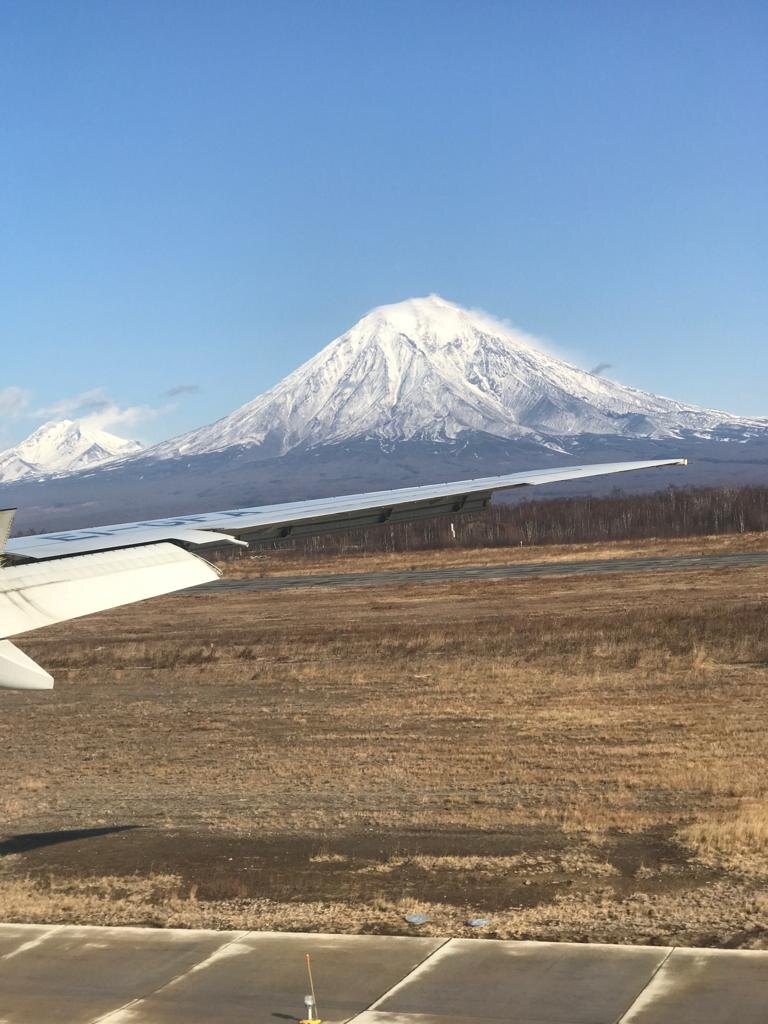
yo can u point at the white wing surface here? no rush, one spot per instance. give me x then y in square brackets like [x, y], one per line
[58, 576]
[43, 593]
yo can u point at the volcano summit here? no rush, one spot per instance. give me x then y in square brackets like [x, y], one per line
[429, 370]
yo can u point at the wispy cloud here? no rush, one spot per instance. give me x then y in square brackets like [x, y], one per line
[96, 408]
[600, 368]
[114, 416]
[181, 389]
[94, 400]
[13, 401]
[535, 341]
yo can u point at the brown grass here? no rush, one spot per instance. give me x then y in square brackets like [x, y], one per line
[284, 561]
[735, 838]
[165, 901]
[583, 756]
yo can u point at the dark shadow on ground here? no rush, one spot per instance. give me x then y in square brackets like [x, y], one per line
[36, 840]
[356, 868]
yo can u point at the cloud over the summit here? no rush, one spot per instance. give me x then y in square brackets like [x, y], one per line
[96, 408]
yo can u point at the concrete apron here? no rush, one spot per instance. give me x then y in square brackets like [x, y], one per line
[74, 975]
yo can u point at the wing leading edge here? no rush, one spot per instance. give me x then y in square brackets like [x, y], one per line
[59, 576]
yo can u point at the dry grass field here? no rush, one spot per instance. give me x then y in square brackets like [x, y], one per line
[568, 758]
[285, 561]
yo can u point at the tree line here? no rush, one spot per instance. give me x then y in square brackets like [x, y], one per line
[670, 513]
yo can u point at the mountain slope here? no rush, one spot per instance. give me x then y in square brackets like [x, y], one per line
[63, 446]
[427, 369]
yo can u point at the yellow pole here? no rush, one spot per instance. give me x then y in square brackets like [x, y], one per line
[311, 983]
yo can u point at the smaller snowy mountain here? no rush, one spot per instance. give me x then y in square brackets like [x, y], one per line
[63, 446]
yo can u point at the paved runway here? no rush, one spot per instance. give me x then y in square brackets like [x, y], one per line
[70, 975]
[520, 570]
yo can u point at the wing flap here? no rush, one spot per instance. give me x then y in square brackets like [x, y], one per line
[330, 523]
[41, 594]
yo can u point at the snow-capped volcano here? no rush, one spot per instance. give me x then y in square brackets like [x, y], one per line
[63, 446]
[427, 369]
[417, 392]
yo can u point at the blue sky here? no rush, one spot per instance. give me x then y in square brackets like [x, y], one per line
[199, 195]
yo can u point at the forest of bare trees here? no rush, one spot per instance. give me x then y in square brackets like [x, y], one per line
[670, 513]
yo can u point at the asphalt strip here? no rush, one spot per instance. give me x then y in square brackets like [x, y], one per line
[671, 563]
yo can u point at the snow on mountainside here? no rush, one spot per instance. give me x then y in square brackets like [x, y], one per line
[61, 447]
[429, 370]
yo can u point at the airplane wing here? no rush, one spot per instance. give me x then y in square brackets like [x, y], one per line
[59, 576]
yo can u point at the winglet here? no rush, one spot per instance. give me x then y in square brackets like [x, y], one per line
[6, 522]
